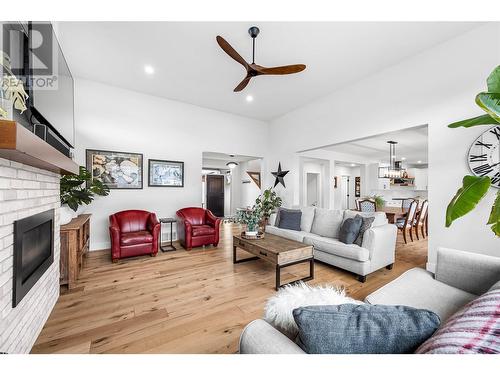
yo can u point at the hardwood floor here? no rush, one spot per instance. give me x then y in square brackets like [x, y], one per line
[183, 302]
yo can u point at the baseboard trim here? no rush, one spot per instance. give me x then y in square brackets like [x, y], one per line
[100, 246]
[431, 267]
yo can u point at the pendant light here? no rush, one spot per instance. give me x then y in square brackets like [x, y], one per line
[394, 170]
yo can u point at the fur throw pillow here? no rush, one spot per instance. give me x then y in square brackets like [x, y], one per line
[279, 308]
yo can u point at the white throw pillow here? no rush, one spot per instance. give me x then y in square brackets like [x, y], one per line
[272, 219]
[327, 222]
[279, 308]
[306, 221]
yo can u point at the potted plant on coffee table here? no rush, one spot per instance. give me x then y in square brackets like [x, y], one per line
[251, 218]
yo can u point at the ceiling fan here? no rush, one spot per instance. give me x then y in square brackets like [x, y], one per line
[253, 69]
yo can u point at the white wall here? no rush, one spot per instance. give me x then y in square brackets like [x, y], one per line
[435, 87]
[317, 168]
[112, 118]
[249, 190]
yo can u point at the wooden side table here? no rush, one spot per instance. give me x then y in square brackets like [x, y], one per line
[170, 247]
[75, 238]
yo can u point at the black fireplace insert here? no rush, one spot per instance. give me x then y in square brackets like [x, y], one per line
[33, 252]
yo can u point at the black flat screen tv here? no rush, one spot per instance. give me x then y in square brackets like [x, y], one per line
[51, 83]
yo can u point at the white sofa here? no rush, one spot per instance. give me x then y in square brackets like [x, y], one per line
[460, 277]
[320, 228]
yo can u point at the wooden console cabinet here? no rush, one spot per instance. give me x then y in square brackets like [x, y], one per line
[75, 238]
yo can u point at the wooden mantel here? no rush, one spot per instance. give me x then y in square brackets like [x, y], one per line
[19, 144]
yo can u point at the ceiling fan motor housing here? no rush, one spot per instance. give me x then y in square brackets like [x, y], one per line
[254, 31]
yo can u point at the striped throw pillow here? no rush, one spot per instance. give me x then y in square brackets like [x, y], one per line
[475, 329]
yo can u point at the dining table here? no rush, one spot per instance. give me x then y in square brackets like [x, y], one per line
[393, 213]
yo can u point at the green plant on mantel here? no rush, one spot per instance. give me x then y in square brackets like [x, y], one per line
[474, 188]
[79, 189]
[268, 202]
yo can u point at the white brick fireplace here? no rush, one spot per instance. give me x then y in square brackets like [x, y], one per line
[25, 191]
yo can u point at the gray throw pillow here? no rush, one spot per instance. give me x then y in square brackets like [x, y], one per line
[277, 221]
[363, 329]
[365, 225]
[289, 219]
[349, 230]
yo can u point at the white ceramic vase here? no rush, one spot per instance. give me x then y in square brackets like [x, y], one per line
[66, 214]
[7, 106]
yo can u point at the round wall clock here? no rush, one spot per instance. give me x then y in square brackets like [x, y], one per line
[484, 155]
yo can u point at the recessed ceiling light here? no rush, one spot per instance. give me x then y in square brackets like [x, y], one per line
[403, 158]
[353, 165]
[419, 162]
[232, 164]
[249, 98]
[148, 69]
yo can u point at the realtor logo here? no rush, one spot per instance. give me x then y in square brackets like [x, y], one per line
[32, 60]
[41, 49]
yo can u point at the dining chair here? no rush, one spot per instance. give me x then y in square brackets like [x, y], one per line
[421, 220]
[407, 222]
[427, 224]
[367, 205]
[405, 203]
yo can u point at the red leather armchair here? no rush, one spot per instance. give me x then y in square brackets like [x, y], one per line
[133, 232]
[197, 227]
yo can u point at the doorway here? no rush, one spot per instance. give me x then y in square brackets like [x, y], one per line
[312, 189]
[344, 191]
[215, 194]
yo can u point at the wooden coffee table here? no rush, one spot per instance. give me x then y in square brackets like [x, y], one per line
[278, 251]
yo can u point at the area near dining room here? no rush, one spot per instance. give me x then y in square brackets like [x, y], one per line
[385, 172]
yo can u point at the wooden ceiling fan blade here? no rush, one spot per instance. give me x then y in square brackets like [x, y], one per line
[286, 69]
[242, 84]
[231, 51]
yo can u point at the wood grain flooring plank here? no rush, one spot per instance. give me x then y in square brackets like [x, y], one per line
[194, 301]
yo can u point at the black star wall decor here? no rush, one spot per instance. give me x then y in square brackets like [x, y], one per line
[280, 176]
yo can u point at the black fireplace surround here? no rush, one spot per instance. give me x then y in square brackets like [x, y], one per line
[33, 252]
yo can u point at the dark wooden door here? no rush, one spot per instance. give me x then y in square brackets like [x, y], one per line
[215, 194]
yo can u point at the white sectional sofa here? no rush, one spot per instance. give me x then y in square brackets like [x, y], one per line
[320, 228]
[460, 278]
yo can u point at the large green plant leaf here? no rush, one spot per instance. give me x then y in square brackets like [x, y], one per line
[490, 103]
[495, 216]
[479, 120]
[473, 189]
[493, 80]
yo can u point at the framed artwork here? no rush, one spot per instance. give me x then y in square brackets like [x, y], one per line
[117, 170]
[255, 176]
[166, 173]
[357, 187]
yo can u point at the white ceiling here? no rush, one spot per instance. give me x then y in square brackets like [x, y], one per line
[191, 67]
[225, 157]
[412, 145]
